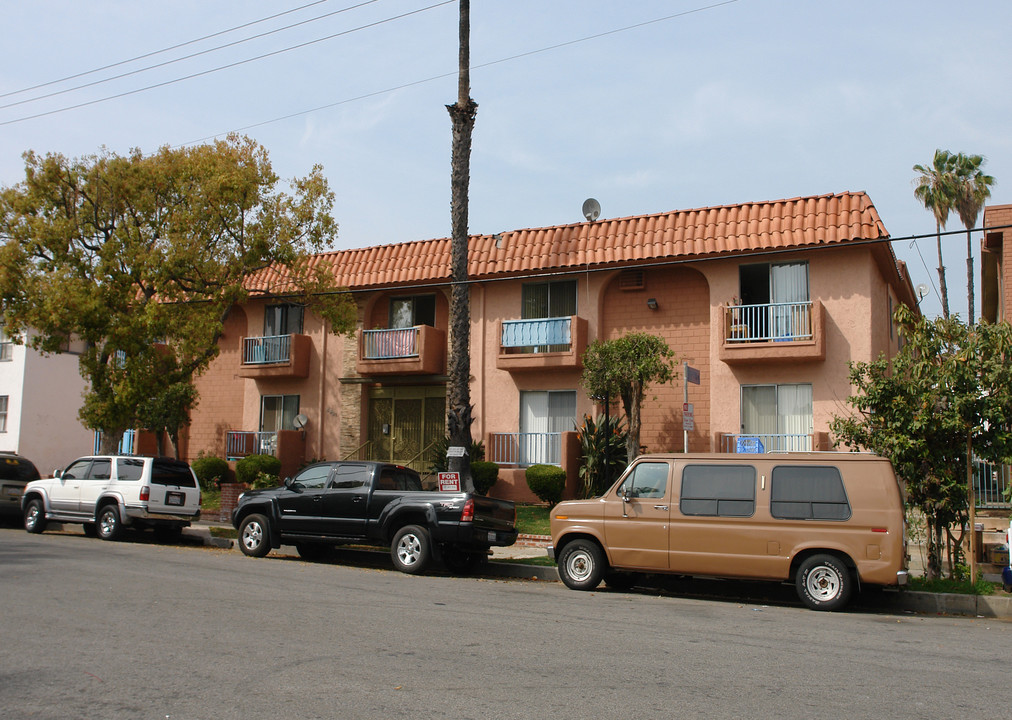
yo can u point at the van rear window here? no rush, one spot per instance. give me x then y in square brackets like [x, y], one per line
[718, 490]
[808, 493]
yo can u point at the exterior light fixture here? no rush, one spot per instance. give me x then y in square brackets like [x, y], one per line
[652, 303]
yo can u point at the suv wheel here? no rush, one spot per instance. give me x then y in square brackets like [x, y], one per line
[35, 516]
[109, 526]
[253, 537]
[411, 550]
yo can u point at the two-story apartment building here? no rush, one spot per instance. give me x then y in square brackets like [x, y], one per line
[767, 300]
[996, 264]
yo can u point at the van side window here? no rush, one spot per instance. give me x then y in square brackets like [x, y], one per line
[718, 490]
[808, 493]
[647, 480]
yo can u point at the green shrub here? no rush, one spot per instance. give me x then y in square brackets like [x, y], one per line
[484, 474]
[210, 470]
[439, 450]
[547, 482]
[603, 451]
[258, 471]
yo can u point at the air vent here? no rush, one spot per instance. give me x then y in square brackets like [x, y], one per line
[632, 280]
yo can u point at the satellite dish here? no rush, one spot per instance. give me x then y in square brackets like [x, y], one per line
[591, 209]
[922, 290]
[299, 421]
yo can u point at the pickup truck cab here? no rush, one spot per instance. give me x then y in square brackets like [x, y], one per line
[373, 503]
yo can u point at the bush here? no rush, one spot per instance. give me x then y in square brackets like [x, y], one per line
[258, 471]
[547, 482]
[210, 470]
[484, 474]
[439, 450]
[603, 449]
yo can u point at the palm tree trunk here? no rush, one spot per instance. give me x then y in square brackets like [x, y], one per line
[941, 272]
[969, 279]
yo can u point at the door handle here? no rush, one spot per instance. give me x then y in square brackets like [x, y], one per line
[660, 507]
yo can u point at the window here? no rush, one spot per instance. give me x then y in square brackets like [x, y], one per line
[6, 347]
[647, 480]
[780, 416]
[129, 469]
[718, 490]
[313, 478]
[546, 301]
[350, 476]
[101, 469]
[282, 320]
[277, 412]
[413, 310]
[3, 413]
[171, 472]
[77, 469]
[544, 415]
[782, 294]
[808, 493]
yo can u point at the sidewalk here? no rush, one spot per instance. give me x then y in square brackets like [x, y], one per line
[998, 606]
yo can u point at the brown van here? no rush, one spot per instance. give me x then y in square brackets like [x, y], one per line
[828, 522]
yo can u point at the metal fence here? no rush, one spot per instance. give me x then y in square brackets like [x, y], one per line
[390, 344]
[772, 322]
[764, 443]
[266, 350]
[239, 444]
[523, 449]
[551, 332]
[990, 484]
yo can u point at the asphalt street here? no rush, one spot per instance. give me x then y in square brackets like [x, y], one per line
[137, 629]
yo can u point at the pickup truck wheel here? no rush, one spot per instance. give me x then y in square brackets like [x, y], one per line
[581, 565]
[35, 516]
[462, 562]
[824, 582]
[109, 525]
[253, 537]
[411, 550]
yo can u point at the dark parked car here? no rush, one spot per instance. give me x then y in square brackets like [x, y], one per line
[15, 472]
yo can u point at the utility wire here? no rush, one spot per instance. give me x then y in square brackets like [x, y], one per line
[184, 57]
[159, 52]
[227, 66]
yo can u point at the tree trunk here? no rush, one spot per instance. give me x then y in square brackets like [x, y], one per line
[109, 441]
[941, 272]
[462, 114]
[969, 280]
[631, 403]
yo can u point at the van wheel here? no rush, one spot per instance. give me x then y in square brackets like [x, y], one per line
[824, 582]
[253, 539]
[411, 550]
[109, 525]
[581, 565]
[35, 516]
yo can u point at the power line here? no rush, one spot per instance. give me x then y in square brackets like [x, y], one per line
[159, 52]
[182, 58]
[227, 66]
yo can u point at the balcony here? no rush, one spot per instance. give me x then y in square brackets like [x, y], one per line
[288, 446]
[276, 356]
[543, 344]
[419, 350]
[774, 332]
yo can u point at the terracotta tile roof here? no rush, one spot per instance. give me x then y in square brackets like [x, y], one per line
[704, 232]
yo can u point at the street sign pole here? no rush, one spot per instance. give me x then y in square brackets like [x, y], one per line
[685, 401]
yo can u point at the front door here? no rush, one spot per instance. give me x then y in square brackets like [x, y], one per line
[636, 518]
[301, 505]
[406, 424]
[65, 495]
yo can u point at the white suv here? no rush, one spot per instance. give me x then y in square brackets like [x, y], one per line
[107, 492]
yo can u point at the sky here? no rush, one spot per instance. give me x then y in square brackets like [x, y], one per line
[647, 106]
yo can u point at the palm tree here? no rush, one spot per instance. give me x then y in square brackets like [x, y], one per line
[973, 188]
[936, 191]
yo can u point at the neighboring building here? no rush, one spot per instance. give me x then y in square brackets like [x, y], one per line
[40, 396]
[996, 264]
[768, 300]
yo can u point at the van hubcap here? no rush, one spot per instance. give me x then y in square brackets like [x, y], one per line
[823, 583]
[580, 566]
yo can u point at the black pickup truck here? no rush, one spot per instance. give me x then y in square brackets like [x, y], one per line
[373, 503]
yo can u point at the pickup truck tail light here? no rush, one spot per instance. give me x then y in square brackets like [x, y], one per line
[467, 514]
[145, 493]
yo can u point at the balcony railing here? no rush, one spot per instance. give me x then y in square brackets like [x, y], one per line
[773, 322]
[390, 344]
[240, 444]
[523, 449]
[764, 443]
[990, 483]
[266, 350]
[542, 335]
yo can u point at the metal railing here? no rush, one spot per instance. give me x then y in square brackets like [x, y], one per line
[764, 443]
[240, 444]
[550, 332]
[773, 322]
[990, 484]
[523, 449]
[390, 344]
[126, 443]
[266, 350]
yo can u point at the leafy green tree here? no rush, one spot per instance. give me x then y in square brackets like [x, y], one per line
[973, 188]
[936, 189]
[142, 258]
[624, 367]
[943, 400]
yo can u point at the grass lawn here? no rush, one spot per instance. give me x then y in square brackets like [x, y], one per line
[533, 520]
